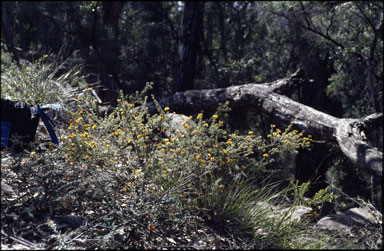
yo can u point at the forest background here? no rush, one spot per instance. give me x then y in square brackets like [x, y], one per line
[123, 45]
[183, 46]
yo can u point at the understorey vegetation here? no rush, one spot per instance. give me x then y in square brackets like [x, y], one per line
[129, 179]
[192, 125]
[135, 178]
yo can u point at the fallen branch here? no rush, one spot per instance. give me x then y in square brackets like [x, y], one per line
[348, 134]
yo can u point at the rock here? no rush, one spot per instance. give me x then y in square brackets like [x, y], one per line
[361, 215]
[334, 222]
[175, 123]
[354, 217]
[298, 212]
[6, 188]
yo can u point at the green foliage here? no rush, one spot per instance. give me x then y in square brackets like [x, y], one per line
[323, 195]
[123, 163]
[126, 162]
[38, 83]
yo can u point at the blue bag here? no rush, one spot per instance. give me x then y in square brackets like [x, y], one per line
[19, 119]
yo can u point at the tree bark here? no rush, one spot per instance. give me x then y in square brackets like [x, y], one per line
[189, 44]
[349, 134]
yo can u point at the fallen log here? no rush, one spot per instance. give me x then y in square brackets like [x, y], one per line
[348, 133]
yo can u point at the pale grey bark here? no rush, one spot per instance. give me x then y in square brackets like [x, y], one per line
[349, 134]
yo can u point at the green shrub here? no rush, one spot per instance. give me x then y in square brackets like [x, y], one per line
[41, 82]
[132, 182]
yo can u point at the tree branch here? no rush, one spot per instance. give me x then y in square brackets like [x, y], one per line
[348, 134]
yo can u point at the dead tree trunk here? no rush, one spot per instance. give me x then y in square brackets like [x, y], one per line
[349, 134]
[189, 44]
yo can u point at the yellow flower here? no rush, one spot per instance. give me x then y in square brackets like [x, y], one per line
[166, 140]
[138, 171]
[195, 131]
[94, 126]
[87, 157]
[265, 155]
[243, 167]
[78, 120]
[199, 116]
[273, 125]
[250, 132]
[295, 131]
[118, 100]
[89, 89]
[166, 109]
[215, 116]
[139, 136]
[205, 124]
[33, 153]
[287, 142]
[115, 133]
[198, 157]
[229, 160]
[71, 136]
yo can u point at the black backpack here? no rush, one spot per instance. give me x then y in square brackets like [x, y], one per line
[21, 120]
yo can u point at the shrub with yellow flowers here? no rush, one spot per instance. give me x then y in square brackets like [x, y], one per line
[131, 139]
[131, 162]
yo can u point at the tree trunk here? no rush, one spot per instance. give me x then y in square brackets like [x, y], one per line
[349, 134]
[7, 29]
[189, 44]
